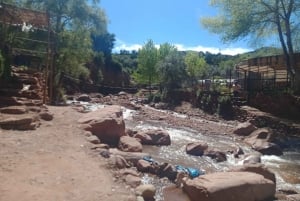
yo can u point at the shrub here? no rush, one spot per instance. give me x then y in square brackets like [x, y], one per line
[157, 97]
[225, 108]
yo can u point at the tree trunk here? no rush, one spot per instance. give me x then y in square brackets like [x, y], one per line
[297, 81]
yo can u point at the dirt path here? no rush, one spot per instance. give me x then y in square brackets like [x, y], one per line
[54, 163]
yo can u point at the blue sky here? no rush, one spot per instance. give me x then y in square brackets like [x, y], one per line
[173, 21]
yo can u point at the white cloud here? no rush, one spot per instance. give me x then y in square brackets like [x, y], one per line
[214, 50]
[121, 45]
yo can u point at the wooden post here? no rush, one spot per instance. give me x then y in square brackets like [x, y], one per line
[45, 95]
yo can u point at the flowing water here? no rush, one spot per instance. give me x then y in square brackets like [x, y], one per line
[286, 167]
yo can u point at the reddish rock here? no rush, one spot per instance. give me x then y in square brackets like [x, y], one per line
[252, 158]
[132, 181]
[230, 186]
[244, 129]
[130, 144]
[295, 197]
[216, 154]
[14, 110]
[84, 98]
[196, 148]
[130, 171]
[93, 139]
[46, 115]
[172, 193]
[143, 166]
[118, 161]
[167, 170]
[19, 122]
[154, 137]
[258, 169]
[106, 123]
[147, 191]
[132, 157]
[261, 141]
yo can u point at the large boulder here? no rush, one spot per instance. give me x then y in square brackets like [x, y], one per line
[14, 110]
[196, 148]
[244, 129]
[154, 137]
[230, 186]
[172, 193]
[106, 123]
[19, 122]
[261, 140]
[258, 169]
[130, 144]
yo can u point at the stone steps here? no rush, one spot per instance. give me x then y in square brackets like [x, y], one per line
[21, 100]
[29, 121]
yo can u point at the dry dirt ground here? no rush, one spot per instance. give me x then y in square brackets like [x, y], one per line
[54, 163]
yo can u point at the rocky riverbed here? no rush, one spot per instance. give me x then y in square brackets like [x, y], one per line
[186, 124]
[63, 158]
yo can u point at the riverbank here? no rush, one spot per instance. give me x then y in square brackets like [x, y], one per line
[56, 162]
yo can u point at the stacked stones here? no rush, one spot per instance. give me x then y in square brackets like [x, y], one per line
[21, 100]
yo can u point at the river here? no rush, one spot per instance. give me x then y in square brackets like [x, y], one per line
[285, 167]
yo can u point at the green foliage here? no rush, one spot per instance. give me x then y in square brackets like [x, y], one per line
[258, 20]
[196, 66]
[75, 51]
[129, 61]
[238, 19]
[95, 67]
[165, 49]
[155, 98]
[147, 60]
[172, 71]
[103, 43]
[225, 108]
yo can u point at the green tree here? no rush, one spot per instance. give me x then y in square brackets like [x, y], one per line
[73, 22]
[103, 43]
[172, 71]
[165, 49]
[196, 66]
[259, 19]
[147, 60]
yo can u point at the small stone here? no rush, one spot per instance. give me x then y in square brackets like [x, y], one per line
[87, 133]
[139, 198]
[147, 191]
[47, 116]
[93, 139]
[132, 181]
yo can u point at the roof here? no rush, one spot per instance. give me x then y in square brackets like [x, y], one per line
[14, 15]
[266, 64]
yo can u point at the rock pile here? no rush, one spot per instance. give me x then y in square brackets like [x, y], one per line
[250, 182]
[21, 100]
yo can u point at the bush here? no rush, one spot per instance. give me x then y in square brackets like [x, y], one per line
[154, 97]
[225, 108]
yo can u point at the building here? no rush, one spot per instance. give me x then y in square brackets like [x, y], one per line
[264, 73]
